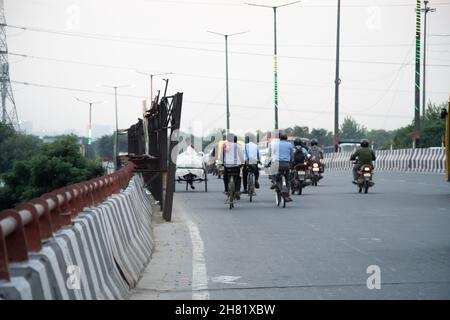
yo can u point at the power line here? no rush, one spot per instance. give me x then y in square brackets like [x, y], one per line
[123, 40]
[195, 102]
[303, 6]
[312, 85]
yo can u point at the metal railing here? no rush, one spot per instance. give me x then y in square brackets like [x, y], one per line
[23, 228]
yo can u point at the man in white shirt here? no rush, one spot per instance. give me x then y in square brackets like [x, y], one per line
[232, 159]
[251, 158]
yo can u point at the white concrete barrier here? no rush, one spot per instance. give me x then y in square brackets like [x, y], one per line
[99, 256]
[404, 160]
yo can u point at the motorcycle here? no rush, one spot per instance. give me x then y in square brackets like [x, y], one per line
[315, 170]
[365, 178]
[299, 177]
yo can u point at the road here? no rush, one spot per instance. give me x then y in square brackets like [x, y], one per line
[318, 247]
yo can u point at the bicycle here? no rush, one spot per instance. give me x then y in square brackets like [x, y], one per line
[251, 178]
[232, 174]
[282, 192]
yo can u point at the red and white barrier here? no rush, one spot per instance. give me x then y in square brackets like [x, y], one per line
[89, 241]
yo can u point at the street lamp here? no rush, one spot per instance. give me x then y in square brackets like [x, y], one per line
[226, 70]
[116, 138]
[90, 116]
[275, 51]
[151, 75]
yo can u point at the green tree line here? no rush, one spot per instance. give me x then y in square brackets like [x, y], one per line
[29, 167]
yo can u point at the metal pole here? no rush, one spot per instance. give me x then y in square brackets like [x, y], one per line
[425, 10]
[226, 77]
[116, 140]
[416, 138]
[424, 57]
[337, 81]
[275, 66]
[90, 124]
[151, 90]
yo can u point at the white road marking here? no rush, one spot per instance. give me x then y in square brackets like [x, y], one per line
[227, 280]
[199, 274]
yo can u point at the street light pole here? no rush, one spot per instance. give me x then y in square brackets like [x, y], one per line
[226, 71]
[425, 11]
[90, 116]
[151, 75]
[337, 81]
[116, 137]
[275, 62]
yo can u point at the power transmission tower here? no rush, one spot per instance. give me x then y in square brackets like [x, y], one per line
[8, 105]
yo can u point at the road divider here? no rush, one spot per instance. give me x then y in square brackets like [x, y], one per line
[87, 241]
[403, 160]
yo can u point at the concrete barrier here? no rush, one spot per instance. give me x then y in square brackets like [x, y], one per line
[403, 160]
[100, 254]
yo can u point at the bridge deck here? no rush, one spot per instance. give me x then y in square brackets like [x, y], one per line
[319, 247]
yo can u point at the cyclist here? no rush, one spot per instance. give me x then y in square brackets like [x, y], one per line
[283, 155]
[232, 159]
[251, 158]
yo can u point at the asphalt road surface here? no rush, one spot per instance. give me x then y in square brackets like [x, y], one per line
[319, 247]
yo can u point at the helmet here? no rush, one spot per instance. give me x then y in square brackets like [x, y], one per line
[364, 143]
[283, 136]
[314, 142]
[298, 142]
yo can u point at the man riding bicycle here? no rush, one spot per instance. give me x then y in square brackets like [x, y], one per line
[232, 159]
[283, 156]
[251, 159]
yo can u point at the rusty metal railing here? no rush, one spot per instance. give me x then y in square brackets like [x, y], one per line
[23, 228]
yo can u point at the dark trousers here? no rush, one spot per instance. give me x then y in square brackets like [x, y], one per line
[284, 168]
[237, 181]
[253, 168]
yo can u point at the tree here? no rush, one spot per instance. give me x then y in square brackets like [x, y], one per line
[323, 136]
[297, 131]
[351, 130]
[15, 146]
[431, 133]
[380, 138]
[56, 165]
[433, 127]
[104, 146]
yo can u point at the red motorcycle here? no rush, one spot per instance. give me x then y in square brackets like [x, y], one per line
[299, 175]
[315, 170]
[365, 176]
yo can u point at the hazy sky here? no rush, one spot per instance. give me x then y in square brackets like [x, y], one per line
[377, 38]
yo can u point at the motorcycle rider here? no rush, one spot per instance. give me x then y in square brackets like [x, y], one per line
[300, 152]
[365, 156]
[251, 158]
[283, 153]
[316, 154]
[315, 151]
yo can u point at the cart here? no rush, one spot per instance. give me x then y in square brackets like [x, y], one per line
[191, 174]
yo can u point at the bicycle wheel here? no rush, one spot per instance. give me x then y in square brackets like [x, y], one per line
[251, 185]
[278, 197]
[231, 191]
